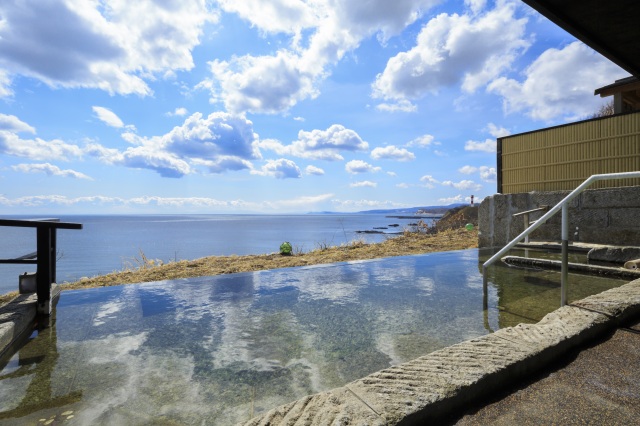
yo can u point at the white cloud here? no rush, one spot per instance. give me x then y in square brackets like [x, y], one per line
[220, 142]
[455, 49]
[422, 141]
[281, 169]
[497, 132]
[37, 149]
[392, 152]
[392, 174]
[319, 144]
[107, 116]
[559, 83]
[301, 119]
[180, 203]
[363, 184]
[366, 204]
[402, 185]
[488, 174]
[112, 46]
[359, 166]
[50, 170]
[489, 145]
[467, 170]
[224, 163]
[463, 185]
[475, 5]
[452, 200]
[11, 123]
[263, 84]
[429, 181]
[178, 112]
[401, 105]
[275, 16]
[313, 170]
[321, 33]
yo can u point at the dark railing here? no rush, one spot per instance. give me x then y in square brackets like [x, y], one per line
[44, 256]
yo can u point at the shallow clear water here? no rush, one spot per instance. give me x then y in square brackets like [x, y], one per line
[219, 350]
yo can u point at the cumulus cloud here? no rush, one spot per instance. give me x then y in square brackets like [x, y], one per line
[496, 131]
[487, 174]
[319, 144]
[363, 184]
[11, 123]
[37, 149]
[468, 50]
[463, 185]
[50, 170]
[321, 33]
[392, 152]
[178, 112]
[219, 142]
[559, 83]
[429, 181]
[489, 145]
[108, 117]
[280, 169]
[180, 203]
[101, 45]
[359, 166]
[423, 141]
[402, 185]
[313, 170]
[399, 105]
[467, 170]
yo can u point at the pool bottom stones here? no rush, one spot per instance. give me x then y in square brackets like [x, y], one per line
[434, 386]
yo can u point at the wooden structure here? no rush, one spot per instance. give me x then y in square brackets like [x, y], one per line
[626, 94]
[608, 27]
[562, 157]
[44, 257]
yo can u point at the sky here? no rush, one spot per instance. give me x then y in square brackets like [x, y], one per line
[280, 106]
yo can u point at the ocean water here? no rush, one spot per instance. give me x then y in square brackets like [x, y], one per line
[110, 243]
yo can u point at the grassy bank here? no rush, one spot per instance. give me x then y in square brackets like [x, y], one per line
[405, 244]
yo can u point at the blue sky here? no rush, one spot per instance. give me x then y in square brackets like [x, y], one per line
[281, 106]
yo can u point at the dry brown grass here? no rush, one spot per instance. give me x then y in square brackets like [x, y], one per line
[146, 270]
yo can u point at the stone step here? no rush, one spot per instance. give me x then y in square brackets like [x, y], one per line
[595, 252]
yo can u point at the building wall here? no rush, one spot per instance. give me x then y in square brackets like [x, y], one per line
[561, 158]
[601, 216]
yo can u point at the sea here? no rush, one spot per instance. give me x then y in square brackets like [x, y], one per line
[112, 243]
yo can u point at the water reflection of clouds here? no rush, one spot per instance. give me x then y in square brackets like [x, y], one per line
[200, 349]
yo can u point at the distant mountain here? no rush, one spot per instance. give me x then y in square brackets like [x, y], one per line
[404, 211]
[414, 210]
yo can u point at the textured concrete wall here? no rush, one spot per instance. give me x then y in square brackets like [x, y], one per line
[601, 216]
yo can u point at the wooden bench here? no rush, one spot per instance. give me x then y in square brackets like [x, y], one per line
[44, 256]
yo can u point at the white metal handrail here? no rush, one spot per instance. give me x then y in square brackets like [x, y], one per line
[562, 205]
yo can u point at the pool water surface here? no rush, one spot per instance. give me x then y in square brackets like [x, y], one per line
[219, 350]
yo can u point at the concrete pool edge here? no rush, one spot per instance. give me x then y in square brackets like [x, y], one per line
[435, 385]
[17, 317]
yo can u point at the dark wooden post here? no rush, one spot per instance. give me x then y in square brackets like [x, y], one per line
[44, 269]
[45, 256]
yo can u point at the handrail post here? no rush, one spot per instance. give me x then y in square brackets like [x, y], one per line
[526, 225]
[565, 226]
[565, 255]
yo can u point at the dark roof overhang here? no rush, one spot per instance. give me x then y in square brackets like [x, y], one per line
[610, 27]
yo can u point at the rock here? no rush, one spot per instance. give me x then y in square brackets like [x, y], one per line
[614, 254]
